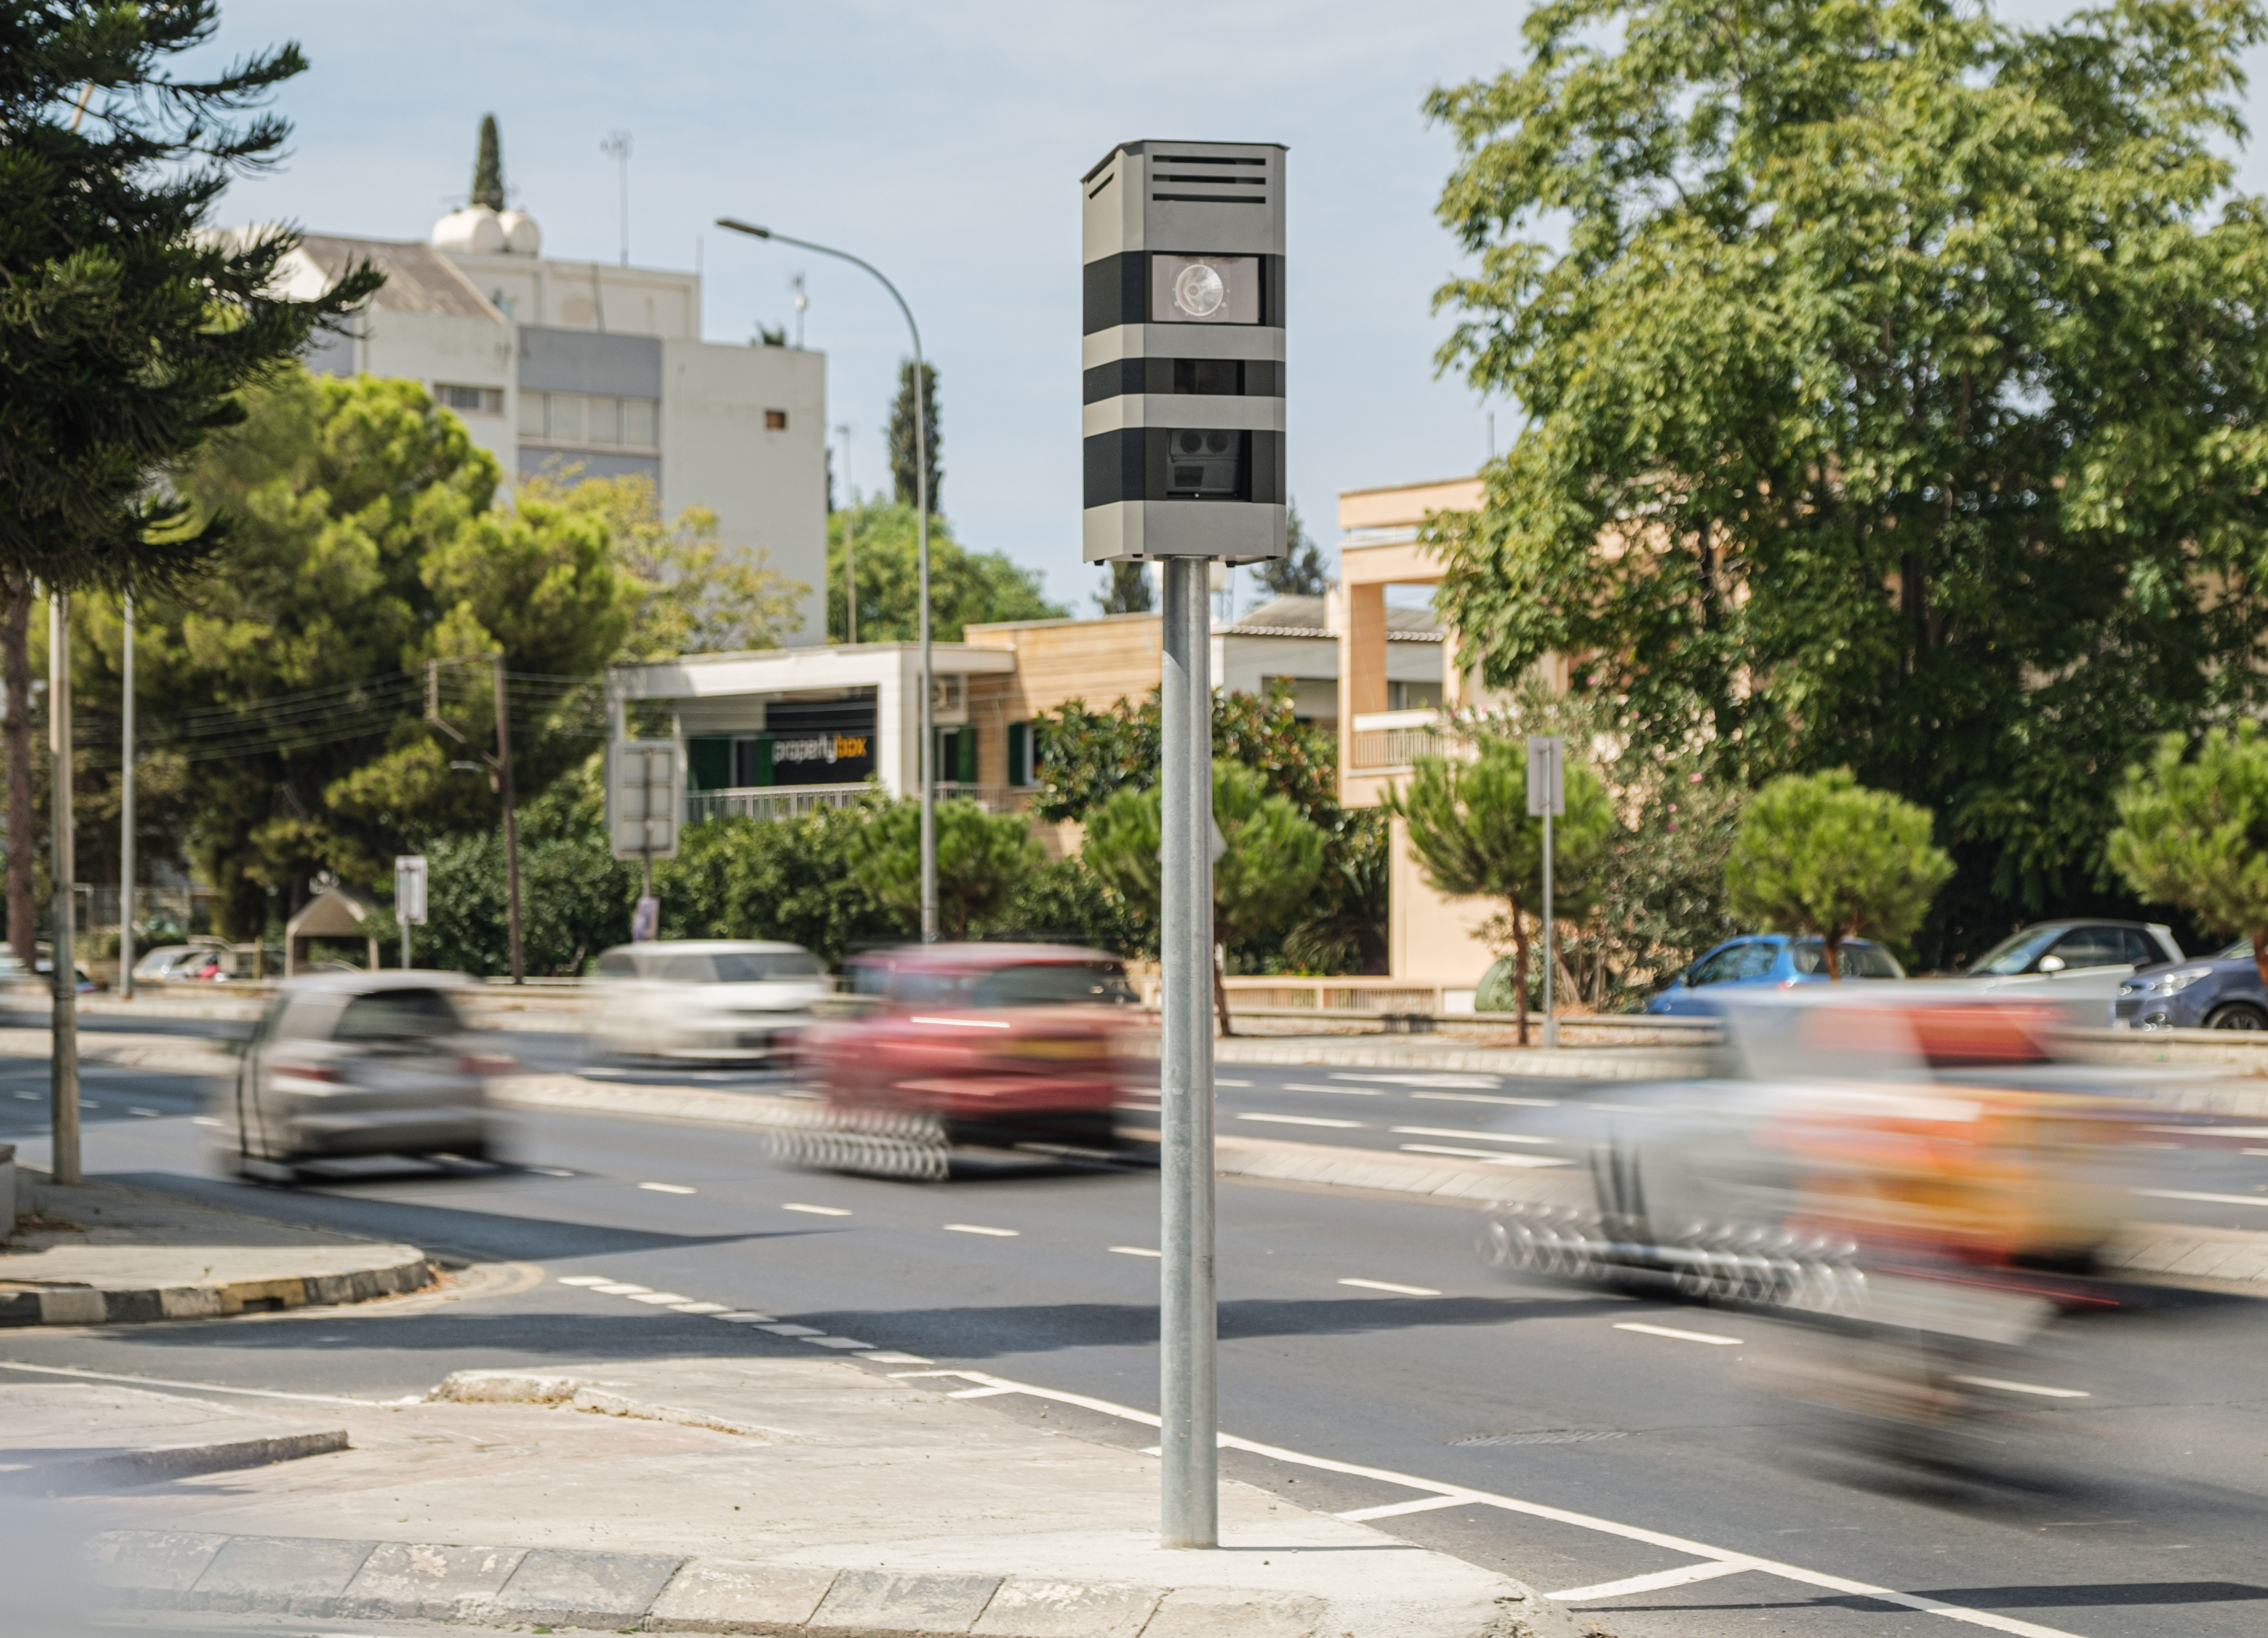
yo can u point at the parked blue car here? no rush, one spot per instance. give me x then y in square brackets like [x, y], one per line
[1768, 958]
[2217, 992]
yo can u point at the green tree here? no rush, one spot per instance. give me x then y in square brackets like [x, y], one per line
[1821, 853]
[694, 594]
[793, 878]
[1893, 390]
[1273, 859]
[2193, 831]
[1300, 571]
[1128, 590]
[365, 546]
[126, 326]
[903, 463]
[1473, 836]
[966, 588]
[982, 859]
[488, 166]
[1064, 901]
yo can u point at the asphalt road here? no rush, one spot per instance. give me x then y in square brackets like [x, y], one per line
[2134, 1510]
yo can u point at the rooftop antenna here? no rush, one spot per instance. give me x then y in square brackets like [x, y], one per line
[617, 148]
[801, 302]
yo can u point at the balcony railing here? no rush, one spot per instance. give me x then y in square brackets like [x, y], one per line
[792, 801]
[1394, 739]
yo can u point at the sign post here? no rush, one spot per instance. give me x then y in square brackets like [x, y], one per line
[408, 897]
[642, 817]
[1547, 795]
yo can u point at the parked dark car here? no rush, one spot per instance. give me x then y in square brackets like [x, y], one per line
[2218, 992]
[1773, 958]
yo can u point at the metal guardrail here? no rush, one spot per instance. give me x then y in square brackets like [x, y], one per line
[793, 801]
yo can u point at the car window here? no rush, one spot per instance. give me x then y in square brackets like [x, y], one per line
[682, 968]
[2242, 950]
[617, 965]
[1051, 984]
[2013, 954]
[1715, 968]
[396, 1015]
[2092, 946]
[1870, 961]
[764, 966]
[2141, 948]
[1757, 959]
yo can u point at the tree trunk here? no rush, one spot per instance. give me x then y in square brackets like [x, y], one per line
[16, 692]
[2260, 954]
[1220, 993]
[1832, 947]
[1520, 972]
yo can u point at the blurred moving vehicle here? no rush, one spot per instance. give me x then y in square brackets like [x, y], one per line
[717, 1001]
[159, 965]
[990, 1046]
[2078, 960]
[205, 960]
[359, 1064]
[1767, 958]
[2218, 992]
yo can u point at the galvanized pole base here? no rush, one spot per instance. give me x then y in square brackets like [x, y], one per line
[1188, 1453]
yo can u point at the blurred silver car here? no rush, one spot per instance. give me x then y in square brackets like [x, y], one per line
[720, 1001]
[357, 1064]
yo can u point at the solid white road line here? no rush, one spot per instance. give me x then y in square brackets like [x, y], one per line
[2211, 1199]
[999, 1234]
[1475, 1097]
[1388, 1284]
[1671, 1331]
[1301, 1120]
[201, 1387]
[1490, 1155]
[891, 1356]
[1683, 1576]
[816, 1210]
[668, 1188]
[1136, 1251]
[980, 1393]
[2024, 1387]
[1469, 1136]
[1535, 1509]
[1396, 1509]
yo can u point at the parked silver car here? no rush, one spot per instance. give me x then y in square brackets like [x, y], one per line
[717, 1001]
[2076, 962]
[359, 1064]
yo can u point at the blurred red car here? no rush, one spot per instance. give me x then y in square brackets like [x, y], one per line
[971, 1045]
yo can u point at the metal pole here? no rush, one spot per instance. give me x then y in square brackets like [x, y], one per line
[62, 1073]
[126, 819]
[511, 818]
[926, 757]
[1551, 1018]
[1188, 1457]
[405, 947]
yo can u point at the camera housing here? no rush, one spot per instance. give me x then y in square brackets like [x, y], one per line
[1182, 358]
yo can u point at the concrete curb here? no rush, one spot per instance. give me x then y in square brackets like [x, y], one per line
[91, 1305]
[157, 1464]
[515, 1587]
[574, 1393]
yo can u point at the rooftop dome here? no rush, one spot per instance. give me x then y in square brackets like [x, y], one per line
[475, 231]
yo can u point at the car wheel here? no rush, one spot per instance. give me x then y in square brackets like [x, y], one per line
[2237, 1015]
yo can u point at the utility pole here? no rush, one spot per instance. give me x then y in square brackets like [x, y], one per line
[511, 818]
[850, 543]
[126, 819]
[62, 1070]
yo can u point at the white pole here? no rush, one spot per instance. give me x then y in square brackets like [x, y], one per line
[1188, 1400]
[126, 821]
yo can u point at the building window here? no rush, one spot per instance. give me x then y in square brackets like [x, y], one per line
[775, 420]
[593, 419]
[1019, 754]
[469, 400]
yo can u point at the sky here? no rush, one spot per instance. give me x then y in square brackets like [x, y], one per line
[944, 144]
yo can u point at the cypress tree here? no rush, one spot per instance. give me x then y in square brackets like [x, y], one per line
[901, 436]
[488, 170]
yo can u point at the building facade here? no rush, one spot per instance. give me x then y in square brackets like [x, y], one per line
[586, 368]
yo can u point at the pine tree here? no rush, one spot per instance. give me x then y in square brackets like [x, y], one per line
[1300, 572]
[488, 170]
[902, 437]
[1130, 590]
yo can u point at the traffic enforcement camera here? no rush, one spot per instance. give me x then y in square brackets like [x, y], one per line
[1183, 352]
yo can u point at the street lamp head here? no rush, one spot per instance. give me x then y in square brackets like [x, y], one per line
[749, 228]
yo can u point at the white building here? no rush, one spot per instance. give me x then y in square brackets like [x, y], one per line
[560, 365]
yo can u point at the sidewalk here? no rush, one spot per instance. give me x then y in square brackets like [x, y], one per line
[759, 1495]
[101, 1253]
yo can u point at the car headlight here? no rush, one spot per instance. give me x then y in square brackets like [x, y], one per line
[2173, 982]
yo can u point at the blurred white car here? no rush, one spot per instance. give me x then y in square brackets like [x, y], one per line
[720, 1001]
[354, 1064]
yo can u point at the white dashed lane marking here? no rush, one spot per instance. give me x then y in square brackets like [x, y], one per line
[1483, 1097]
[1470, 1136]
[1388, 1284]
[1306, 1086]
[2024, 1387]
[1136, 1251]
[816, 1210]
[1675, 1335]
[667, 1188]
[999, 1234]
[587, 1279]
[1301, 1120]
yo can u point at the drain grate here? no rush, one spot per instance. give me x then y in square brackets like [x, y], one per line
[1545, 1436]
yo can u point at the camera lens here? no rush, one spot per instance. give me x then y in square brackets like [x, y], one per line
[1217, 442]
[1191, 443]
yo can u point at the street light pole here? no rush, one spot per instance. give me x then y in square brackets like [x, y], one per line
[62, 1068]
[126, 816]
[926, 751]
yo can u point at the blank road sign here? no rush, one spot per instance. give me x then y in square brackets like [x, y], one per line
[642, 798]
[410, 889]
[1547, 786]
